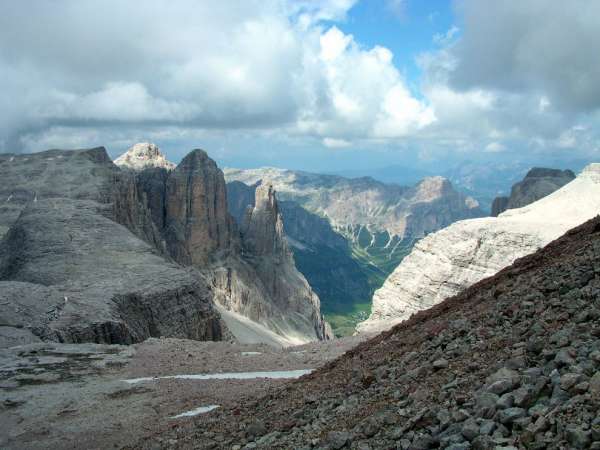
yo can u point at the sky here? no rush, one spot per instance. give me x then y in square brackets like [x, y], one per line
[322, 85]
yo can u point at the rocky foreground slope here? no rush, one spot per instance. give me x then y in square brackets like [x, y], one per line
[538, 183]
[511, 362]
[444, 263]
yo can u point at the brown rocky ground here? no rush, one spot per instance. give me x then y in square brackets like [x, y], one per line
[512, 362]
[72, 396]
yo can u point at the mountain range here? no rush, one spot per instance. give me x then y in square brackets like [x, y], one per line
[376, 226]
[470, 250]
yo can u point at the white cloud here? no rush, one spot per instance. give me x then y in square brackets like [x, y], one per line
[367, 96]
[494, 147]
[335, 143]
[251, 65]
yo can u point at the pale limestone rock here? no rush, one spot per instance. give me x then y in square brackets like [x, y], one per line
[142, 156]
[445, 262]
[353, 204]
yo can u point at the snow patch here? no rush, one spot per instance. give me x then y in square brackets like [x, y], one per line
[195, 412]
[275, 374]
[251, 353]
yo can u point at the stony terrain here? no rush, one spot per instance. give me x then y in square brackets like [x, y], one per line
[537, 184]
[470, 250]
[511, 362]
[66, 396]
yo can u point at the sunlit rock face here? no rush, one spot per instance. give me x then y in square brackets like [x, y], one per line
[142, 156]
[446, 262]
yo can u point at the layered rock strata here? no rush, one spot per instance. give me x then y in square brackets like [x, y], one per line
[446, 262]
[69, 272]
[251, 274]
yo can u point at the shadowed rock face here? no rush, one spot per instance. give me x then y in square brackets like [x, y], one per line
[256, 278]
[68, 226]
[538, 183]
[70, 272]
[197, 223]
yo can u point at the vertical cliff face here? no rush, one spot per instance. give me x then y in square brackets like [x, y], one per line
[262, 229]
[252, 279]
[69, 269]
[197, 223]
[266, 250]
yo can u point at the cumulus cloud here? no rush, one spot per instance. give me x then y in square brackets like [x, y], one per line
[519, 72]
[229, 65]
[507, 75]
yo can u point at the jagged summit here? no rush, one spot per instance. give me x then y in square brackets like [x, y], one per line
[263, 227]
[538, 183]
[446, 262]
[143, 155]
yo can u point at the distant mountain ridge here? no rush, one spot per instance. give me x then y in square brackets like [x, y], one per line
[379, 222]
[538, 183]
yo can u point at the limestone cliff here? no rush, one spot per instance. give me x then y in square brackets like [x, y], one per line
[538, 183]
[323, 256]
[70, 272]
[265, 285]
[444, 263]
[254, 278]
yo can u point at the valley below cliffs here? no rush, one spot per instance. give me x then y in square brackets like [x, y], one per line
[448, 261]
[348, 235]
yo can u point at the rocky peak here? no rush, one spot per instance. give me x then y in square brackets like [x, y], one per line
[538, 183]
[433, 187]
[142, 156]
[262, 229]
[539, 172]
[197, 221]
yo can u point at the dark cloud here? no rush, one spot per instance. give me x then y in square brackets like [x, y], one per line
[548, 47]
